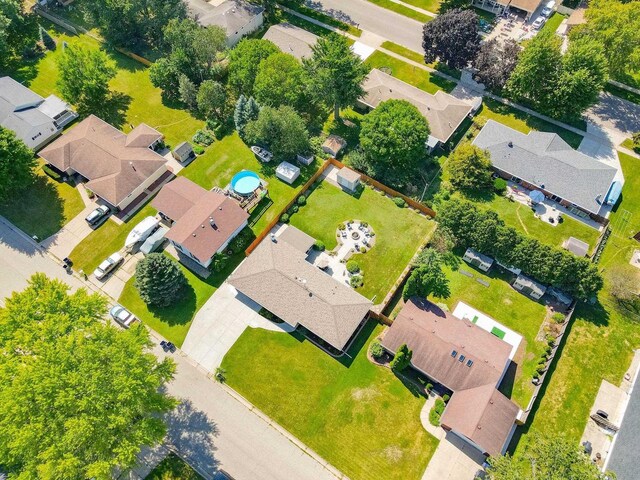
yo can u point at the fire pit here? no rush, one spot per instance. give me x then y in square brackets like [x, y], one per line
[355, 235]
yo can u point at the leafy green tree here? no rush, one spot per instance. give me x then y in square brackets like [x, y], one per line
[244, 61]
[280, 81]
[281, 129]
[402, 358]
[615, 24]
[425, 280]
[546, 457]
[335, 73]
[495, 62]
[246, 110]
[79, 398]
[16, 164]
[212, 99]
[133, 23]
[447, 5]
[452, 38]
[393, 138]
[84, 78]
[188, 91]
[18, 30]
[159, 280]
[537, 74]
[469, 168]
[165, 74]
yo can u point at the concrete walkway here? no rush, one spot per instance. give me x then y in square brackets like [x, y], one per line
[219, 323]
[437, 432]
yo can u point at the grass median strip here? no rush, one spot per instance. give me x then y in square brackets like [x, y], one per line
[403, 10]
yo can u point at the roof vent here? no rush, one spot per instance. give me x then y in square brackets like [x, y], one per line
[132, 166]
[194, 234]
[202, 226]
[219, 208]
[510, 144]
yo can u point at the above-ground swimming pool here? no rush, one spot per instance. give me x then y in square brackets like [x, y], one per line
[245, 182]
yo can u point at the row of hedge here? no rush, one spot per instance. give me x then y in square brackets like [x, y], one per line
[484, 231]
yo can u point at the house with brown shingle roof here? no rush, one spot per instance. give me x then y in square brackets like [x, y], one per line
[443, 112]
[278, 277]
[465, 359]
[118, 167]
[202, 222]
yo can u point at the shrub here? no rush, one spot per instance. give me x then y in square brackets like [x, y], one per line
[203, 138]
[284, 218]
[399, 202]
[636, 141]
[219, 262]
[439, 406]
[294, 209]
[445, 398]
[434, 418]
[198, 149]
[220, 374]
[402, 358]
[500, 185]
[376, 349]
[302, 200]
[319, 246]
[242, 240]
[356, 281]
[558, 317]
[429, 387]
[341, 226]
[363, 250]
[159, 280]
[52, 173]
[541, 369]
[353, 267]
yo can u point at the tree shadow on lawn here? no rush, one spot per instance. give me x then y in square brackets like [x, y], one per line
[112, 110]
[193, 433]
[181, 312]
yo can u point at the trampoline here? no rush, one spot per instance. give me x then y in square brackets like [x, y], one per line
[245, 182]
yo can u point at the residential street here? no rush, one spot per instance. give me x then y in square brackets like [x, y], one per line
[367, 16]
[211, 428]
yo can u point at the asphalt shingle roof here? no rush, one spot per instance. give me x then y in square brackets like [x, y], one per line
[545, 160]
[291, 39]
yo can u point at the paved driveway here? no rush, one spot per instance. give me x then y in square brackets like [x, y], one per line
[619, 117]
[62, 243]
[367, 16]
[219, 323]
[454, 459]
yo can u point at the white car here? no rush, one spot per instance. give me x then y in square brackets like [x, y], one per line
[538, 22]
[548, 9]
[109, 265]
[121, 315]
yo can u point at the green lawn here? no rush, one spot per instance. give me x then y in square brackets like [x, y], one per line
[522, 218]
[523, 122]
[174, 321]
[44, 208]
[358, 417]
[403, 10]
[553, 22]
[399, 232]
[428, 5]
[230, 155]
[173, 468]
[415, 76]
[419, 58]
[622, 93]
[510, 308]
[601, 339]
[310, 12]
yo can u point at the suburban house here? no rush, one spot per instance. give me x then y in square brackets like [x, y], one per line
[524, 7]
[121, 169]
[545, 162]
[202, 222]
[467, 360]
[237, 17]
[34, 120]
[528, 286]
[291, 39]
[443, 112]
[477, 259]
[278, 277]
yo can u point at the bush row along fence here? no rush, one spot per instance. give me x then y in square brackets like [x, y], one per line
[76, 28]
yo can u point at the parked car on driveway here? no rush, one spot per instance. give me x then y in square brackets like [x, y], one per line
[538, 22]
[108, 265]
[97, 215]
[548, 8]
[121, 315]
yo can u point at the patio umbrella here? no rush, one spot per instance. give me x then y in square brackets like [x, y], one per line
[536, 196]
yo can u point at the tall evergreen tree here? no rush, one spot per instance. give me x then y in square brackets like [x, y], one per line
[159, 280]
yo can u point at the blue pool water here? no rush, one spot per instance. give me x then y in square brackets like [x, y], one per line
[245, 182]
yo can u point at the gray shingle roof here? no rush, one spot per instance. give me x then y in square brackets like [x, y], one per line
[277, 276]
[444, 112]
[291, 39]
[545, 160]
[232, 15]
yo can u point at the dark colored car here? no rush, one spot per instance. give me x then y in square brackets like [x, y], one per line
[97, 215]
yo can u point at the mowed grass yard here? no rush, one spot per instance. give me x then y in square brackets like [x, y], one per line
[44, 207]
[399, 232]
[510, 308]
[173, 468]
[358, 417]
[601, 339]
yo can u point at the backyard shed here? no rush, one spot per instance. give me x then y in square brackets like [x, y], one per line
[529, 287]
[577, 247]
[183, 152]
[348, 179]
[333, 145]
[287, 172]
[477, 259]
[305, 159]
